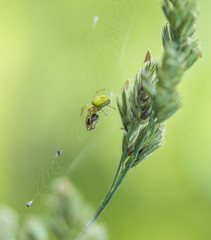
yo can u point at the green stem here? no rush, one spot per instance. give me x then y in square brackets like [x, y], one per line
[118, 169]
[107, 199]
[120, 163]
[117, 180]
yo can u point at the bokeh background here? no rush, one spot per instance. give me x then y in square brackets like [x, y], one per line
[54, 55]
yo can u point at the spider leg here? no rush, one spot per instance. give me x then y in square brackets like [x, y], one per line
[82, 110]
[98, 92]
[103, 112]
[111, 107]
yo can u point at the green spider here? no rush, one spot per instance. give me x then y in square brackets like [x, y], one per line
[98, 102]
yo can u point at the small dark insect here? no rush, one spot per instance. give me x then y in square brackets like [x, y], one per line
[91, 122]
[58, 153]
[28, 204]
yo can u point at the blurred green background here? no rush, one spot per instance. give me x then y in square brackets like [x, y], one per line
[54, 55]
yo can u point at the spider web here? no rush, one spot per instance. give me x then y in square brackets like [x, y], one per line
[109, 32]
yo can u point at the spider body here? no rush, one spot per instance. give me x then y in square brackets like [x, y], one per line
[98, 102]
[101, 101]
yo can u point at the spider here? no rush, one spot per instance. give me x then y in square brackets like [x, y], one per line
[98, 102]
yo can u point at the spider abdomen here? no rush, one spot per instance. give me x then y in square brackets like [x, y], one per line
[101, 101]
